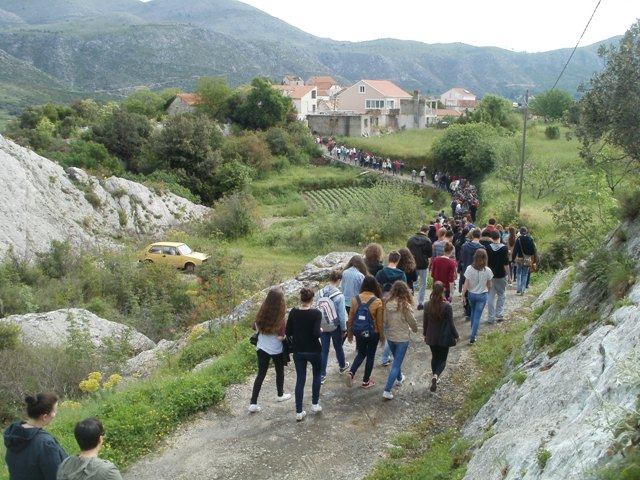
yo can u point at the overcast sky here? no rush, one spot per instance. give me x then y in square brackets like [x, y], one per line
[532, 26]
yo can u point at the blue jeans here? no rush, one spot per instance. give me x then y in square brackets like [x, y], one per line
[422, 285]
[386, 353]
[521, 276]
[301, 359]
[399, 349]
[477, 301]
[326, 339]
[366, 349]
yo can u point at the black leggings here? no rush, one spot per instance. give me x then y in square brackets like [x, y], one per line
[438, 359]
[263, 366]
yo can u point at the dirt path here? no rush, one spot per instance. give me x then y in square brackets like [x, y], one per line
[343, 442]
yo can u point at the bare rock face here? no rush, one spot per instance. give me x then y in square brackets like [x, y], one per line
[565, 407]
[40, 202]
[320, 267]
[143, 364]
[55, 328]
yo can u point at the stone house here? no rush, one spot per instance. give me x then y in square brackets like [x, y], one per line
[184, 103]
[459, 99]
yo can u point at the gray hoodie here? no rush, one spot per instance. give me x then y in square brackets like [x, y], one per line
[82, 468]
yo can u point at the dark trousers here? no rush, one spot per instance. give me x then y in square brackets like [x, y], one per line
[438, 359]
[263, 366]
[366, 349]
[301, 359]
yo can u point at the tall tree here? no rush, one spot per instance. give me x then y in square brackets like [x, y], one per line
[496, 111]
[552, 104]
[610, 114]
[214, 94]
[263, 107]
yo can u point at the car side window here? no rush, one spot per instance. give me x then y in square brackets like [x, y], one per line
[168, 251]
[155, 249]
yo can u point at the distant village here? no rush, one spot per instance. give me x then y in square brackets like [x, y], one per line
[367, 108]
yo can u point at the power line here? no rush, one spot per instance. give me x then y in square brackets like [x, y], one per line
[576, 47]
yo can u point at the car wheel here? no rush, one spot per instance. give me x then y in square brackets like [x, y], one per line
[147, 261]
[189, 267]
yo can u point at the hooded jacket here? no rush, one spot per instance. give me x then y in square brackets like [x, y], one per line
[421, 249]
[467, 252]
[82, 468]
[388, 275]
[32, 453]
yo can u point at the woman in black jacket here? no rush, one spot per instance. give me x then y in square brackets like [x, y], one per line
[303, 326]
[524, 255]
[439, 331]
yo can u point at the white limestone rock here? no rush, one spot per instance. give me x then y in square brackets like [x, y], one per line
[53, 329]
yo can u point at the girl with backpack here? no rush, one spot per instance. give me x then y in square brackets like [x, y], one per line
[398, 320]
[439, 331]
[366, 324]
[477, 281]
[303, 325]
[270, 326]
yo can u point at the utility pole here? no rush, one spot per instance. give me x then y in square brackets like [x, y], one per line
[524, 141]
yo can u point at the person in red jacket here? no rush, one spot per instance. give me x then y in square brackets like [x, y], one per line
[443, 269]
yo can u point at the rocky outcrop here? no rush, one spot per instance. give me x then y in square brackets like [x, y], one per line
[57, 327]
[557, 423]
[40, 202]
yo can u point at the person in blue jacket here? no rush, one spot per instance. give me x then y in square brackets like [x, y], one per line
[32, 453]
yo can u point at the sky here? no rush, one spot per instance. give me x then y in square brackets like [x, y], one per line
[519, 25]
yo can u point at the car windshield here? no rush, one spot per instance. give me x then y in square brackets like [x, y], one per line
[184, 250]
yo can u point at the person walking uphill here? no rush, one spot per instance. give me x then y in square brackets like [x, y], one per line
[270, 326]
[524, 255]
[421, 248]
[338, 330]
[366, 324]
[389, 274]
[398, 321]
[32, 453]
[303, 326]
[439, 331]
[498, 255]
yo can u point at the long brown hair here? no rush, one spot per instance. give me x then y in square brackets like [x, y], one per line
[511, 240]
[357, 262]
[270, 316]
[480, 259]
[434, 307]
[402, 295]
[406, 263]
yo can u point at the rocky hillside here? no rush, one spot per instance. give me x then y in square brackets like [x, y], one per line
[41, 202]
[556, 418]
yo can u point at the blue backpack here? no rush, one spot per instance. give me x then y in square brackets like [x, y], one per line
[362, 321]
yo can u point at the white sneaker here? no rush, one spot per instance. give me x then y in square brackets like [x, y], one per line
[387, 395]
[300, 416]
[402, 379]
[254, 408]
[316, 408]
[284, 397]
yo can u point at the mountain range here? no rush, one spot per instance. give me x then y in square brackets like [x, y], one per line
[64, 49]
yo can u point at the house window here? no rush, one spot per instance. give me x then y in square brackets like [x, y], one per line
[391, 104]
[361, 88]
[377, 104]
[313, 94]
[313, 108]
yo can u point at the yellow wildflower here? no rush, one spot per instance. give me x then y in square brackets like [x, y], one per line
[89, 386]
[97, 376]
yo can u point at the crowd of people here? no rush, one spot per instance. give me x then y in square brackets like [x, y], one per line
[374, 303]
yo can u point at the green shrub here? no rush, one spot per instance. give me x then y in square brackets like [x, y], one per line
[234, 216]
[552, 132]
[9, 336]
[630, 205]
[557, 333]
[213, 344]
[519, 377]
[542, 456]
[608, 274]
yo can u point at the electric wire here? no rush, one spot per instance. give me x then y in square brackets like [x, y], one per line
[576, 47]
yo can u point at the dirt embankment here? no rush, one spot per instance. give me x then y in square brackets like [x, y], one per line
[344, 441]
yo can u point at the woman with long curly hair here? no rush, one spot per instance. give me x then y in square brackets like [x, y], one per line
[373, 254]
[439, 331]
[407, 264]
[398, 322]
[271, 331]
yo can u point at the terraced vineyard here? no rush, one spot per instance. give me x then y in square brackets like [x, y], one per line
[337, 198]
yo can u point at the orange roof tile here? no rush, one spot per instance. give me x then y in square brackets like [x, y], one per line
[190, 99]
[448, 112]
[295, 91]
[387, 88]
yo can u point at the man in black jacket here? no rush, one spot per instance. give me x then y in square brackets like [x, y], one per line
[420, 247]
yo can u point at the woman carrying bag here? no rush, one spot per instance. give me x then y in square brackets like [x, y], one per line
[439, 331]
[271, 329]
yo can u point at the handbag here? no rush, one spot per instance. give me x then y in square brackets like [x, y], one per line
[254, 338]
